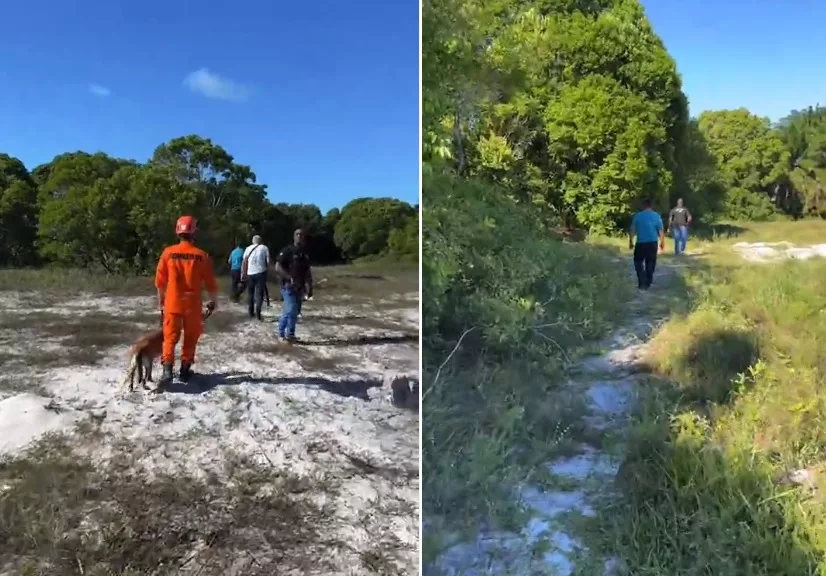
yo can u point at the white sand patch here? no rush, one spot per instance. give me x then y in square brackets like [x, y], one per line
[773, 251]
[26, 417]
[29, 303]
[410, 317]
[314, 409]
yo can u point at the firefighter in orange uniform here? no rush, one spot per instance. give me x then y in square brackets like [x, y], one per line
[184, 270]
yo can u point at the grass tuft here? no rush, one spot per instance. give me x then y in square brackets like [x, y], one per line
[712, 481]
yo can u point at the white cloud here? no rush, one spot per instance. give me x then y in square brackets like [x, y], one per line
[212, 85]
[99, 90]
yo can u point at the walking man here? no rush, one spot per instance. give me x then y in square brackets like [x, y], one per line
[235, 260]
[293, 268]
[647, 226]
[184, 270]
[678, 220]
[254, 271]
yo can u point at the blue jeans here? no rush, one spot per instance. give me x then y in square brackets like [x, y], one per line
[680, 239]
[286, 325]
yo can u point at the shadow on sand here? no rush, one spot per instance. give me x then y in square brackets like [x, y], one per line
[362, 340]
[355, 388]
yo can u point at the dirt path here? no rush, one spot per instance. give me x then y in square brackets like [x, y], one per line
[311, 424]
[550, 543]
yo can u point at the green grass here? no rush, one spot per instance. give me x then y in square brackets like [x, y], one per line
[736, 401]
[507, 308]
[739, 403]
[495, 415]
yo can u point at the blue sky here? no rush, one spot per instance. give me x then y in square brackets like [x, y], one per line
[766, 55]
[321, 98]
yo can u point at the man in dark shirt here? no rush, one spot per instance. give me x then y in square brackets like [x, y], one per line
[678, 220]
[293, 268]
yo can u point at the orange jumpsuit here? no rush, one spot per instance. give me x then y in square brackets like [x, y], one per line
[184, 270]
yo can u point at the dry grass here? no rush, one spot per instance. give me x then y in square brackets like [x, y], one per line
[62, 515]
[77, 340]
[81, 339]
[58, 283]
[360, 281]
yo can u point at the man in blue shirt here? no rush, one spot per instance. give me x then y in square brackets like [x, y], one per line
[235, 260]
[647, 226]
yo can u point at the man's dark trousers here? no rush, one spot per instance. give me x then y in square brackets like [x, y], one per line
[237, 287]
[256, 285]
[645, 260]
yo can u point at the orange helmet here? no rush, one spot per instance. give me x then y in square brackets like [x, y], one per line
[186, 225]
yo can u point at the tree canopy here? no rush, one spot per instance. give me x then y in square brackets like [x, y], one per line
[576, 108]
[93, 210]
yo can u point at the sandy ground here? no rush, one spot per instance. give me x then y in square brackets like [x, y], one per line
[773, 251]
[549, 543]
[318, 410]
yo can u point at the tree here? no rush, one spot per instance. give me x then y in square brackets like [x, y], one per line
[76, 206]
[274, 226]
[403, 243]
[697, 177]
[323, 246]
[751, 158]
[227, 192]
[573, 107]
[156, 197]
[305, 216]
[18, 213]
[804, 134]
[75, 169]
[366, 223]
[95, 211]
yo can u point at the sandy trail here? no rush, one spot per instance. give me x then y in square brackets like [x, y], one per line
[317, 410]
[549, 543]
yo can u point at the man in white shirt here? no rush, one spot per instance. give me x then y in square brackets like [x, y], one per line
[254, 269]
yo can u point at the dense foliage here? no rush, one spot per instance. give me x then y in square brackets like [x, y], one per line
[575, 107]
[548, 113]
[524, 130]
[92, 210]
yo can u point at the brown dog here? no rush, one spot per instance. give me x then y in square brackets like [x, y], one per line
[142, 355]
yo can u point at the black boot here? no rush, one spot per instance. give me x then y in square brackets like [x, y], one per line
[186, 371]
[166, 377]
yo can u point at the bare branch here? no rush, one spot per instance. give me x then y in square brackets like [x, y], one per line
[446, 360]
